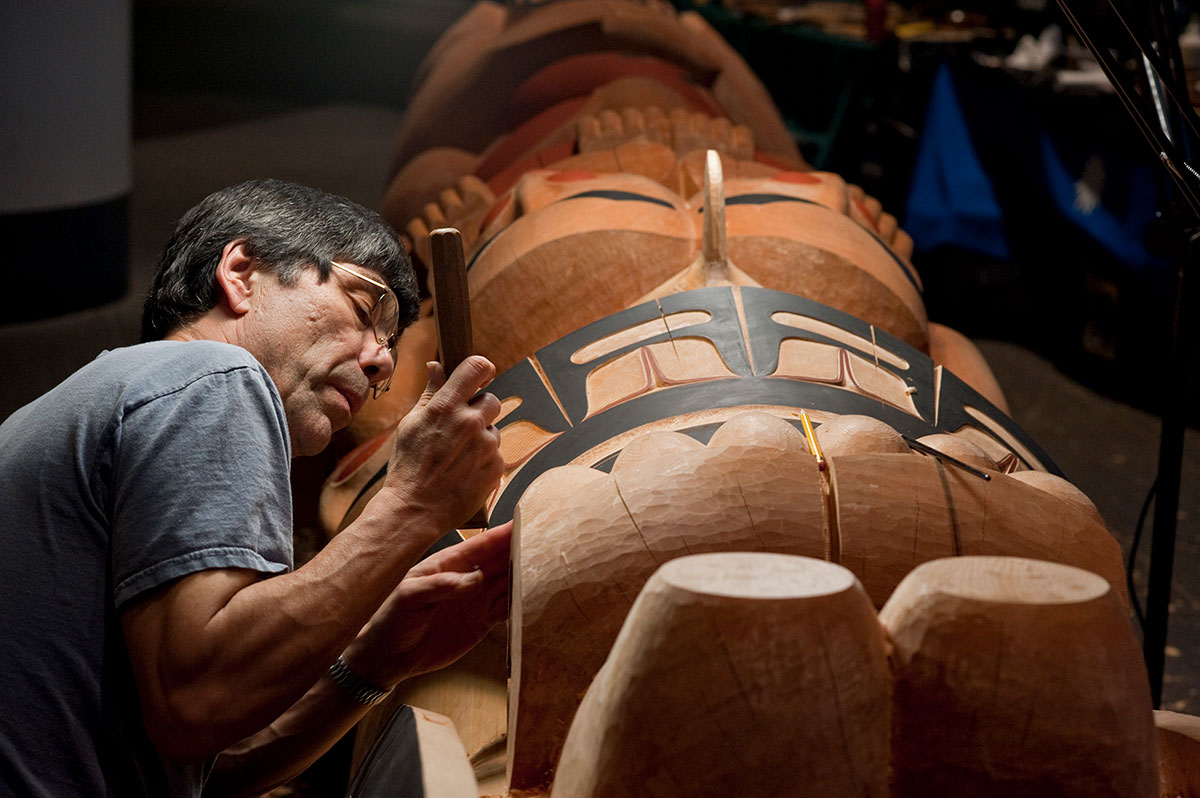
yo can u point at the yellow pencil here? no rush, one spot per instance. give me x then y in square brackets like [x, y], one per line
[812, 440]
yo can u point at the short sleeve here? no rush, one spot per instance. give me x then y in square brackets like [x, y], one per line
[201, 480]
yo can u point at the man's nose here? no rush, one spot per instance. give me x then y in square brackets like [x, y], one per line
[376, 360]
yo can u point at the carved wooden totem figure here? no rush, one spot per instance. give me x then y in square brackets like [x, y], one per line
[731, 437]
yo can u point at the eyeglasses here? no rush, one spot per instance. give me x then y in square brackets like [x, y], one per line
[384, 318]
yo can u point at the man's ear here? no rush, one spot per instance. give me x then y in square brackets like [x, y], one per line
[236, 273]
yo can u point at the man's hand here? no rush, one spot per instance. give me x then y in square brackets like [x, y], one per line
[438, 612]
[447, 457]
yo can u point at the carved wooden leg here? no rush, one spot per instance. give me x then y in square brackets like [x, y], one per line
[577, 572]
[741, 674]
[1178, 754]
[1015, 677]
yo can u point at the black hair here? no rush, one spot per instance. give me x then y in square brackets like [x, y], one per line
[288, 228]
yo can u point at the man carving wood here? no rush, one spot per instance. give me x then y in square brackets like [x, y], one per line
[146, 501]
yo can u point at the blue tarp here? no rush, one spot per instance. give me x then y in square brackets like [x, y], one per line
[951, 200]
[1121, 234]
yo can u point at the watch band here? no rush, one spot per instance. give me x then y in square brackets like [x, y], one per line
[362, 692]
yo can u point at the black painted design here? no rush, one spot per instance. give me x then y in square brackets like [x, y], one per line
[577, 433]
[766, 335]
[537, 404]
[757, 388]
[723, 330]
[767, 198]
[701, 432]
[479, 252]
[619, 196]
[718, 394]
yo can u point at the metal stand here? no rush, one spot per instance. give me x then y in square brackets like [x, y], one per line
[1155, 95]
[1170, 465]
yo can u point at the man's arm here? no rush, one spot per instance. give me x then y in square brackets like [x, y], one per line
[438, 612]
[220, 654]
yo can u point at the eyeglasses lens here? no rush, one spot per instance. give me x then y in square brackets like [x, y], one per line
[385, 318]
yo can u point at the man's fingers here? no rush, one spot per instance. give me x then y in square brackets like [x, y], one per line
[487, 404]
[495, 545]
[471, 376]
[488, 550]
[415, 592]
[496, 542]
[437, 378]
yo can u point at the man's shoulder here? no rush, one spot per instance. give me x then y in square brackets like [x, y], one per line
[159, 368]
[123, 380]
[188, 356]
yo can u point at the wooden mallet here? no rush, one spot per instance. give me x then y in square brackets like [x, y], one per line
[452, 308]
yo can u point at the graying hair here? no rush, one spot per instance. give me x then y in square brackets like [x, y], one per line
[287, 227]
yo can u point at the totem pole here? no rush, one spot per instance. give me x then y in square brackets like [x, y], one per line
[775, 531]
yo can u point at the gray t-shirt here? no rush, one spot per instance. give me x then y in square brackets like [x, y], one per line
[150, 463]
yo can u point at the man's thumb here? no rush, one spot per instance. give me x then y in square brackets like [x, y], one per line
[437, 377]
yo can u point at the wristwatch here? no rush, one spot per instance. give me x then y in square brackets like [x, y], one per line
[361, 691]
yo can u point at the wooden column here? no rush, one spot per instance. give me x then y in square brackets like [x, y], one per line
[1178, 754]
[577, 572]
[743, 674]
[1016, 677]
